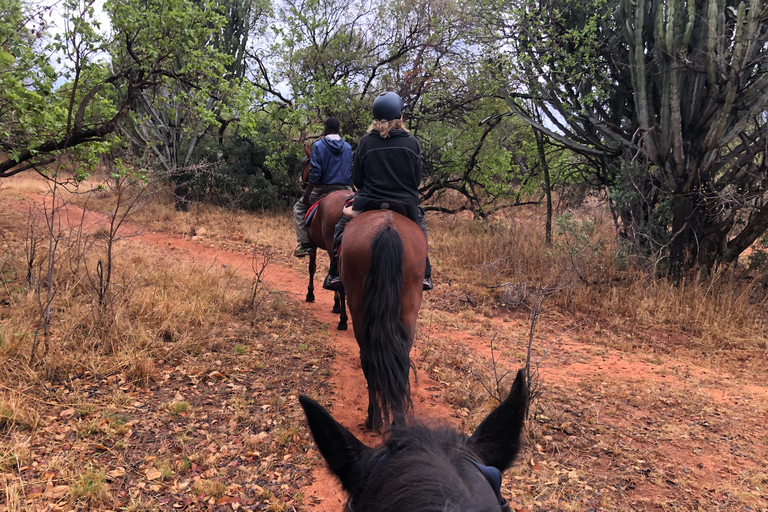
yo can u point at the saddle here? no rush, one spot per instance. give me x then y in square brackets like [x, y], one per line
[383, 204]
[387, 205]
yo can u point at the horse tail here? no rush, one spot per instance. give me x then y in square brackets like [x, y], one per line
[385, 355]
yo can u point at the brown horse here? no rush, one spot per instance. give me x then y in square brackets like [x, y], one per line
[321, 230]
[306, 165]
[321, 235]
[382, 261]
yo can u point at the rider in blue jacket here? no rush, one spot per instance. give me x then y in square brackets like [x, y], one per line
[330, 169]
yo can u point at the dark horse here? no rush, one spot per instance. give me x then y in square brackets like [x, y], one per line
[382, 260]
[424, 469]
[320, 232]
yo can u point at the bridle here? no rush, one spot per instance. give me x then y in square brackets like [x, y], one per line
[491, 474]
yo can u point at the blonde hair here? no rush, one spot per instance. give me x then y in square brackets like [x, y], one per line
[384, 127]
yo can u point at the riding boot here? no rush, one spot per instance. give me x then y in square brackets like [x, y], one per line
[428, 277]
[332, 280]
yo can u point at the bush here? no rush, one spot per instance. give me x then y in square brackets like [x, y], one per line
[251, 174]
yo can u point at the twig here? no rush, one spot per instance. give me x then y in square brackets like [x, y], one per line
[267, 256]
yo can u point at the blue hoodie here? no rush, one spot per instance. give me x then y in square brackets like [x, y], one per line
[331, 162]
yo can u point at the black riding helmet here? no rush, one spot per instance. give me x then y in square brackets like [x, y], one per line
[387, 106]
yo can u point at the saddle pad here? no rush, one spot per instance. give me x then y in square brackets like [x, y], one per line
[311, 212]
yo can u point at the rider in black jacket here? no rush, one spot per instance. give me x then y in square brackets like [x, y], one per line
[386, 167]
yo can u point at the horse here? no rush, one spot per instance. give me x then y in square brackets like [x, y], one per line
[382, 261]
[306, 165]
[320, 232]
[424, 469]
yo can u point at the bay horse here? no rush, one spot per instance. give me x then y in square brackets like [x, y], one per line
[382, 261]
[320, 232]
[424, 469]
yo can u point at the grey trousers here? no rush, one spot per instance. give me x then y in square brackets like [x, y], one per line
[300, 210]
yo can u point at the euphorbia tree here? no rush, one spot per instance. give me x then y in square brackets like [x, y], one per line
[668, 99]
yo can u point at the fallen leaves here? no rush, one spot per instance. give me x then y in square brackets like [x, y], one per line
[152, 473]
[239, 444]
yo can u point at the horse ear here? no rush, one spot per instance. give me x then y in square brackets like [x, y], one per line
[340, 448]
[497, 440]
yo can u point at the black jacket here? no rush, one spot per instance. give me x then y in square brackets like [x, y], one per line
[387, 169]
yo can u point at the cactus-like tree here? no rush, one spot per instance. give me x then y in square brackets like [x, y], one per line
[669, 100]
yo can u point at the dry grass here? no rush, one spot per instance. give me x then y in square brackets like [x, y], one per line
[109, 388]
[153, 301]
[155, 212]
[490, 262]
[597, 440]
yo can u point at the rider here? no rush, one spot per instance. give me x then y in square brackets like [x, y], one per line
[331, 169]
[387, 167]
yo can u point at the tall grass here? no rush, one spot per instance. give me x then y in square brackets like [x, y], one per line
[160, 306]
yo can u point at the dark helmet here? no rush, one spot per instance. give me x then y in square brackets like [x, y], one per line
[387, 106]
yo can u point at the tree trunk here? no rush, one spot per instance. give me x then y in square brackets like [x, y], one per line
[681, 237]
[547, 185]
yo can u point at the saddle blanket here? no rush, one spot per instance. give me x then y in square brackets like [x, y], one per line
[311, 212]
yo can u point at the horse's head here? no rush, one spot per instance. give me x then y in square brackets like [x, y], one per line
[305, 166]
[421, 468]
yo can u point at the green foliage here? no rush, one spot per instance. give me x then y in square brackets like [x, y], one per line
[31, 109]
[758, 258]
[337, 56]
[256, 172]
[582, 246]
[75, 102]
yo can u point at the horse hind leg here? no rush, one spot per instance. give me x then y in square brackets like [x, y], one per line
[311, 285]
[340, 306]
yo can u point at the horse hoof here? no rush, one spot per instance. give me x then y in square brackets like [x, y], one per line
[342, 327]
[310, 298]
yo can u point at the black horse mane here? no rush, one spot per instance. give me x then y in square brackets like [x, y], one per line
[416, 470]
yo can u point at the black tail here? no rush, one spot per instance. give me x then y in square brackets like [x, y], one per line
[385, 352]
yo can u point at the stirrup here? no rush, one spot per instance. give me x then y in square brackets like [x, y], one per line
[427, 284]
[303, 250]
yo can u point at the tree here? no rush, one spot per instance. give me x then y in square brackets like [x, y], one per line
[78, 100]
[668, 101]
[173, 116]
[334, 57]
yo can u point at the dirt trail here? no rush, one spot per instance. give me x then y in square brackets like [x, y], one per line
[347, 382]
[572, 366]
